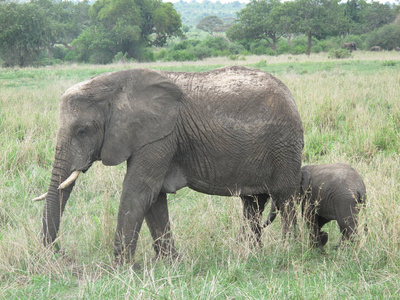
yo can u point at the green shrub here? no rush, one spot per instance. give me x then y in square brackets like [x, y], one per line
[71, 56]
[299, 49]
[236, 48]
[389, 63]
[202, 51]
[387, 37]
[216, 43]
[259, 47]
[328, 44]
[236, 57]
[120, 57]
[282, 46]
[339, 53]
[180, 55]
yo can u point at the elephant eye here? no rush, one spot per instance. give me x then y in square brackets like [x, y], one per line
[81, 132]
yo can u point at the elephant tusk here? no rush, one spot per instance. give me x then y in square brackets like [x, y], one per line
[42, 197]
[69, 180]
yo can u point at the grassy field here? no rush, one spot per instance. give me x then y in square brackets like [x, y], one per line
[351, 113]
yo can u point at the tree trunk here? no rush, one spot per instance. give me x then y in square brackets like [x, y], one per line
[289, 39]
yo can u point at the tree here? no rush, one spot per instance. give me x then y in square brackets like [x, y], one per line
[166, 23]
[68, 20]
[387, 37]
[25, 30]
[258, 20]
[318, 18]
[210, 24]
[126, 26]
[365, 17]
[377, 15]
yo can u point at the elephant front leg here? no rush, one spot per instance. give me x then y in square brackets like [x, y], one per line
[157, 219]
[130, 220]
[139, 200]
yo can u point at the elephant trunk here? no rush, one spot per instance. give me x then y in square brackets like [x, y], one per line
[56, 198]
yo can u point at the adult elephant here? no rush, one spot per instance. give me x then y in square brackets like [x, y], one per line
[375, 48]
[231, 131]
[352, 46]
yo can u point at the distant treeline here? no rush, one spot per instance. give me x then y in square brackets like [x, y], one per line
[43, 32]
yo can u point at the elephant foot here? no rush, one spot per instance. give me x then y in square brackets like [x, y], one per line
[121, 260]
[323, 238]
[171, 256]
[165, 250]
[320, 240]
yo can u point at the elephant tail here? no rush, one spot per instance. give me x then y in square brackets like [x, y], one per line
[361, 200]
[361, 197]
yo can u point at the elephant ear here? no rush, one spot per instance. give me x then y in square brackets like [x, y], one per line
[305, 181]
[145, 109]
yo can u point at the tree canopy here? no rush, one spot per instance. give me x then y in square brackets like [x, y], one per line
[271, 19]
[96, 33]
[126, 26]
[210, 24]
[24, 30]
[259, 20]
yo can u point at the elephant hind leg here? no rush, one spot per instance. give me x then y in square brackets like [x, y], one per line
[157, 219]
[288, 214]
[348, 227]
[253, 207]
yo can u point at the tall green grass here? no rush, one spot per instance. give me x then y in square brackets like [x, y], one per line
[351, 113]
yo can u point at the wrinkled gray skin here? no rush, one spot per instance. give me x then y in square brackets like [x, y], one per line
[329, 192]
[352, 46]
[231, 131]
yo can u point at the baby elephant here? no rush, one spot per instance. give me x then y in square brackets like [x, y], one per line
[329, 192]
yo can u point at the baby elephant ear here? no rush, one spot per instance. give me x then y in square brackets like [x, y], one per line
[144, 110]
[305, 181]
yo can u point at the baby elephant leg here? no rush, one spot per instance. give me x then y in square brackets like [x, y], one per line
[348, 227]
[323, 235]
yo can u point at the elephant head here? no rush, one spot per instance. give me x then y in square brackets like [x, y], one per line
[106, 118]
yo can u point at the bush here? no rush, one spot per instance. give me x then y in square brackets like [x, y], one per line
[259, 47]
[339, 53]
[71, 56]
[236, 48]
[184, 45]
[283, 46]
[120, 58]
[328, 44]
[202, 51]
[299, 49]
[59, 52]
[180, 55]
[216, 44]
[387, 37]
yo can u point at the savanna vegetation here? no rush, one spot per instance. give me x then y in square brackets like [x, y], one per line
[350, 112]
[48, 32]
